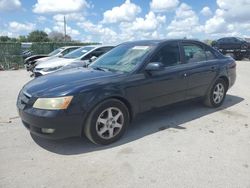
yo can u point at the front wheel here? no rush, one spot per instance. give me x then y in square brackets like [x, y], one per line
[216, 95]
[107, 122]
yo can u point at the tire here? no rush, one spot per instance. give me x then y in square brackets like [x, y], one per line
[244, 46]
[107, 122]
[213, 99]
[239, 58]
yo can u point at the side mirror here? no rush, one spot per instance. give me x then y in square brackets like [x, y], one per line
[93, 58]
[154, 66]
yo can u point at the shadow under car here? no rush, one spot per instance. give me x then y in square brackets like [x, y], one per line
[172, 116]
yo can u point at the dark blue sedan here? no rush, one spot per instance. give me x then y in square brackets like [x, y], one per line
[100, 101]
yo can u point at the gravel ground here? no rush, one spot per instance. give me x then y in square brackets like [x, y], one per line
[186, 145]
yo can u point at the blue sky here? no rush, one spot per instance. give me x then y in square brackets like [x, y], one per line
[122, 20]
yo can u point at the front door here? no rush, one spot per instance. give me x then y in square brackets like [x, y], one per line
[166, 86]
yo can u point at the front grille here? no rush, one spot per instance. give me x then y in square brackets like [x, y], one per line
[37, 74]
[38, 69]
[24, 100]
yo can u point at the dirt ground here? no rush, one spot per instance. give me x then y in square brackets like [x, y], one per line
[186, 145]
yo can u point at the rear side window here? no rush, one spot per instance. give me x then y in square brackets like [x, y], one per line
[210, 55]
[194, 53]
[169, 55]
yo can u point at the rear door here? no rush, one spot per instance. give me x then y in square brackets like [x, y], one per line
[201, 68]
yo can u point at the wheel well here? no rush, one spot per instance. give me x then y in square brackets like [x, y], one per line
[127, 104]
[226, 80]
[124, 101]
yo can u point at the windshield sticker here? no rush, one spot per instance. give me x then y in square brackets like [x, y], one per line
[84, 51]
[140, 47]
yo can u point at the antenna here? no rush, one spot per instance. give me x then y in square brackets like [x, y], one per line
[65, 28]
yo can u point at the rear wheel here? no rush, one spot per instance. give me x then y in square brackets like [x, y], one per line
[217, 93]
[107, 122]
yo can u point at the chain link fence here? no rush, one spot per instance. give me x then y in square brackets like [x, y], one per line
[12, 57]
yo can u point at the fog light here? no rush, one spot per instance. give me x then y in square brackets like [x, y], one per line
[48, 131]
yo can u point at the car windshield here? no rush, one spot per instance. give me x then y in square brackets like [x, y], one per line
[79, 52]
[123, 58]
[55, 52]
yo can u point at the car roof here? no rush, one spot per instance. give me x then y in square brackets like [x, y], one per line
[66, 47]
[157, 42]
[97, 46]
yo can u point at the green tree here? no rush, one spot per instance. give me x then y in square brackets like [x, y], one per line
[38, 36]
[4, 39]
[22, 38]
[59, 37]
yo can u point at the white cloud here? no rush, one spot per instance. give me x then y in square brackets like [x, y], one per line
[8, 5]
[185, 23]
[47, 30]
[206, 11]
[41, 19]
[7, 33]
[126, 12]
[163, 5]
[216, 24]
[59, 27]
[58, 6]
[106, 35]
[143, 28]
[231, 18]
[151, 22]
[69, 17]
[19, 27]
[235, 11]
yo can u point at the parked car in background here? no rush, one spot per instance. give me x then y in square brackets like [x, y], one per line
[30, 61]
[25, 49]
[235, 47]
[101, 100]
[80, 57]
[26, 53]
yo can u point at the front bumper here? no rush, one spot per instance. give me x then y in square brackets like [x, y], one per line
[65, 123]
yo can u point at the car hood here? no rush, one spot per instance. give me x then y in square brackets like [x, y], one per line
[55, 62]
[46, 59]
[68, 82]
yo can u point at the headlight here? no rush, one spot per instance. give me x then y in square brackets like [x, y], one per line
[59, 103]
[51, 69]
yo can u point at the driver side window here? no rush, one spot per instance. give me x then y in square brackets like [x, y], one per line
[168, 55]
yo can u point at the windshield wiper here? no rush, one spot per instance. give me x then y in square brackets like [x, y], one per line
[100, 69]
[105, 69]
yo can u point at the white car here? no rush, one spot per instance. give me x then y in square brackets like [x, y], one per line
[60, 52]
[36, 59]
[82, 56]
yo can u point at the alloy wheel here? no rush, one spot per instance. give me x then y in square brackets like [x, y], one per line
[109, 123]
[218, 93]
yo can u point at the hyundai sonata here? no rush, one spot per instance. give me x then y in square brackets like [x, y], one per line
[100, 101]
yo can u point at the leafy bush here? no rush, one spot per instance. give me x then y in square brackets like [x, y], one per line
[10, 55]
